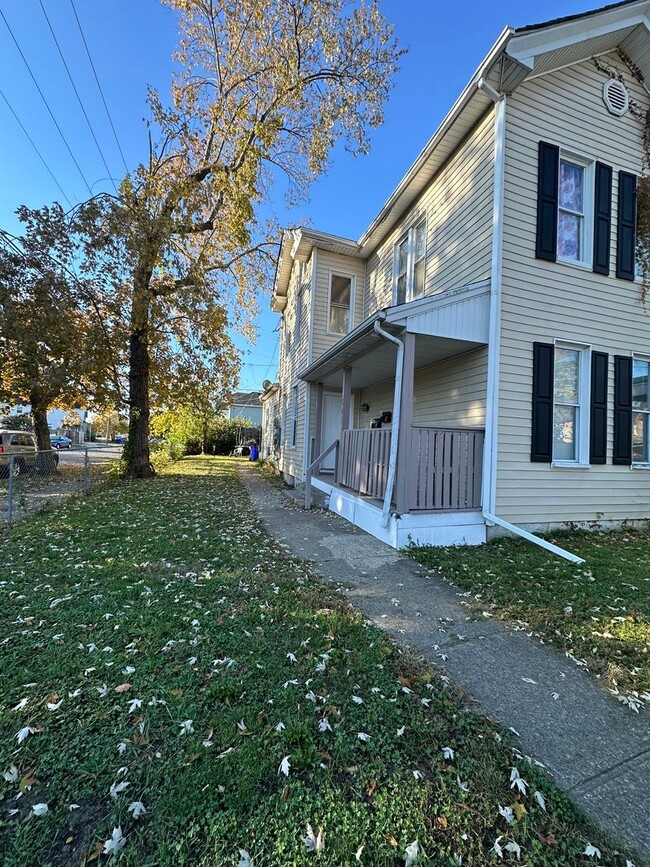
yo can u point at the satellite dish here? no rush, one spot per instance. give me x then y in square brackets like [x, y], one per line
[266, 384]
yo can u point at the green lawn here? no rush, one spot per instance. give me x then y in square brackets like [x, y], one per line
[158, 651]
[597, 613]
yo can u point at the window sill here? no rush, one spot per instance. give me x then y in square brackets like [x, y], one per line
[568, 465]
[582, 266]
[640, 466]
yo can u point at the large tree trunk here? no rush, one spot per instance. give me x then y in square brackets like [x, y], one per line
[137, 447]
[46, 462]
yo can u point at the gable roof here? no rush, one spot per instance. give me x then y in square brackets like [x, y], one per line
[518, 54]
[245, 398]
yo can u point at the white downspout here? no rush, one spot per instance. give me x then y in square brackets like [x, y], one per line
[397, 405]
[489, 490]
[494, 340]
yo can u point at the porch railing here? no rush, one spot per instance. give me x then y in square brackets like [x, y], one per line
[363, 461]
[445, 468]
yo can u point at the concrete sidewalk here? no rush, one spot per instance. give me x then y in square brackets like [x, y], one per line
[596, 749]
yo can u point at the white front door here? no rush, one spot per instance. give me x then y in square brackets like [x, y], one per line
[331, 428]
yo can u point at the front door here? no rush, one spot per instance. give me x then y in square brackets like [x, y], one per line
[331, 428]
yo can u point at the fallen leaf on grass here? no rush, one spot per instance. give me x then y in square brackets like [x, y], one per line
[412, 853]
[314, 842]
[115, 843]
[27, 781]
[123, 687]
[548, 839]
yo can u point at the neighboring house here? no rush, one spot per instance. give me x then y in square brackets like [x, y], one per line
[271, 422]
[55, 420]
[480, 357]
[245, 405]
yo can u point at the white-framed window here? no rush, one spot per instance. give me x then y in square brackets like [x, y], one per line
[294, 415]
[571, 405]
[640, 412]
[575, 219]
[410, 257]
[341, 303]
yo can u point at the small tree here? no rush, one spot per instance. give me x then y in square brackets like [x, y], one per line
[54, 324]
[264, 89]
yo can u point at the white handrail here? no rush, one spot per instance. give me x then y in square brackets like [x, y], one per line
[311, 467]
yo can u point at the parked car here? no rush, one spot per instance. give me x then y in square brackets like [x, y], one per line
[22, 445]
[120, 439]
[60, 442]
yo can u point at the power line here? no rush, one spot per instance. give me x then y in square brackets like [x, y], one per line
[81, 105]
[47, 105]
[110, 119]
[33, 144]
[268, 369]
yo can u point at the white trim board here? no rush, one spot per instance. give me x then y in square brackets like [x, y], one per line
[441, 529]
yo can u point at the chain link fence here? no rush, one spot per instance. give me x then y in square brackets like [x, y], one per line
[32, 481]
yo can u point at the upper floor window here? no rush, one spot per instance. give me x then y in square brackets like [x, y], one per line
[575, 212]
[339, 318]
[410, 254]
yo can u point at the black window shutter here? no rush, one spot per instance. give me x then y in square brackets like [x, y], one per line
[622, 410]
[602, 218]
[541, 449]
[598, 419]
[626, 234]
[548, 168]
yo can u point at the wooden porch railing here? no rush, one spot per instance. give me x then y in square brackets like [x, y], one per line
[363, 461]
[445, 468]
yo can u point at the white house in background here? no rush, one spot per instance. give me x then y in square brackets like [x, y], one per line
[479, 359]
[54, 417]
[245, 404]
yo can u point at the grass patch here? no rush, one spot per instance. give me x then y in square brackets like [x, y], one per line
[159, 649]
[597, 613]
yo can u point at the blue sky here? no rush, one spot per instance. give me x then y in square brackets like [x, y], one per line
[131, 41]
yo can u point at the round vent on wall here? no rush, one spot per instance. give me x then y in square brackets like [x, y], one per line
[616, 97]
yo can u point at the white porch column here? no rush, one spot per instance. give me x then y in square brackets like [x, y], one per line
[319, 421]
[404, 456]
[346, 398]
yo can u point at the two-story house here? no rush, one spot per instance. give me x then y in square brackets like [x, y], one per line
[480, 357]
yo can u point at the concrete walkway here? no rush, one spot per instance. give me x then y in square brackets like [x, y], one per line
[596, 749]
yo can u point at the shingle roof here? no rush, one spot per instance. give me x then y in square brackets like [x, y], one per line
[245, 398]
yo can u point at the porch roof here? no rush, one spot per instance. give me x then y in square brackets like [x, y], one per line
[372, 358]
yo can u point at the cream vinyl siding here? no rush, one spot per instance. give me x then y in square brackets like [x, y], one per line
[326, 263]
[545, 301]
[294, 350]
[458, 210]
[451, 392]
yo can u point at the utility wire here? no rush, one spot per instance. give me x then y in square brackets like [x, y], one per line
[74, 87]
[110, 119]
[266, 375]
[47, 105]
[33, 144]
